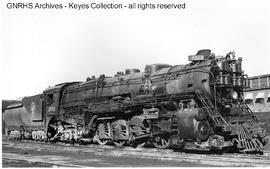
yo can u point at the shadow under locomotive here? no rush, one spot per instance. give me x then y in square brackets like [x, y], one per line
[198, 106]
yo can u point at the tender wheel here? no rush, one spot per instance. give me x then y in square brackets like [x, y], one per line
[34, 136]
[162, 142]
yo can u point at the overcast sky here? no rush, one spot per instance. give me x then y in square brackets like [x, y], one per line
[39, 48]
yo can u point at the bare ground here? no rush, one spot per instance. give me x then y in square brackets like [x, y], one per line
[33, 154]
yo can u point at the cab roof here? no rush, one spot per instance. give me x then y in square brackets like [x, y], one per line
[58, 87]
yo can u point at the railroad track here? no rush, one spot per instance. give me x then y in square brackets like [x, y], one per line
[226, 159]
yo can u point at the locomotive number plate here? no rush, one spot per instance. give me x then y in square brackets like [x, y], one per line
[51, 108]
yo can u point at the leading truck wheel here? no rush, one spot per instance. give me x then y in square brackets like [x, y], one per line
[162, 142]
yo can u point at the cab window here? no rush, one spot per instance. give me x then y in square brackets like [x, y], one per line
[50, 99]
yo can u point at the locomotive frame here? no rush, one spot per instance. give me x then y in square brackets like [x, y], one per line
[195, 106]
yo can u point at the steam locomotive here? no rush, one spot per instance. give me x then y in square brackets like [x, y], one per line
[194, 106]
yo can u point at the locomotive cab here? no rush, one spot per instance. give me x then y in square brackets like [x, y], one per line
[52, 98]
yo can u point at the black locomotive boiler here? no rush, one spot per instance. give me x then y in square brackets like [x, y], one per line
[194, 106]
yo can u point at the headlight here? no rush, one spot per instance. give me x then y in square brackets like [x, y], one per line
[234, 95]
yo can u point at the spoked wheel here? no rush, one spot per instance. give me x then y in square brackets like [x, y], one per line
[141, 145]
[137, 131]
[162, 142]
[120, 131]
[103, 131]
[119, 143]
[101, 141]
[34, 135]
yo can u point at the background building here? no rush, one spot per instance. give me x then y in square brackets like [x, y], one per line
[258, 95]
[258, 98]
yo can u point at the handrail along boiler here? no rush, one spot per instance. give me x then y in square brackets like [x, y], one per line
[194, 106]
